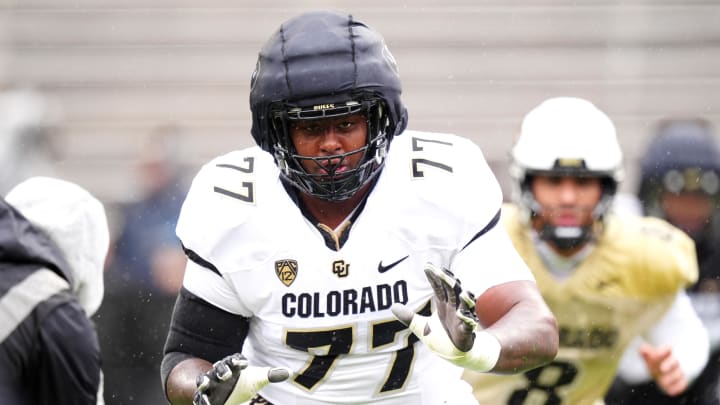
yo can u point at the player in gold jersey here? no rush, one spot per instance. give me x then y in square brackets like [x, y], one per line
[607, 279]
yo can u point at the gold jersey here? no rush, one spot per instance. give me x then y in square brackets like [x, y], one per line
[619, 291]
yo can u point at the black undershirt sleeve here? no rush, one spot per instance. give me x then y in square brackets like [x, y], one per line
[201, 330]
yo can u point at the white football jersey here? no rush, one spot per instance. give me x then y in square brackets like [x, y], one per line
[322, 307]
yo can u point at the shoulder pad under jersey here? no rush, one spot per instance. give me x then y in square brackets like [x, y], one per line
[661, 258]
[449, 180]
[223, 195]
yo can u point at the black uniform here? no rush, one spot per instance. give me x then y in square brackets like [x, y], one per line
[49, 353]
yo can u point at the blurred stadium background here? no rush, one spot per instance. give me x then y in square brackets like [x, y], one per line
[86, 86]
[113, 70]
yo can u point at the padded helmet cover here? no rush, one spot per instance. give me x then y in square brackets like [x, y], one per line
[323, 57]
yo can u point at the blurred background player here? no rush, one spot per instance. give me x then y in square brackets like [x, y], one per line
[28, 122]
[680, 182]
[299, 247]
[53, 244]
[144, 274]
[606, 279]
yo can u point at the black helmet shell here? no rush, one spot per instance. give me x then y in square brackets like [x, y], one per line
[323, 57]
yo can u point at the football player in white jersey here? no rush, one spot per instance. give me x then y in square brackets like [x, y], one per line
[325, 262]
[607, 279]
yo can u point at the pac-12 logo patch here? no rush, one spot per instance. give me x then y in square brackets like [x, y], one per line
[286, 270]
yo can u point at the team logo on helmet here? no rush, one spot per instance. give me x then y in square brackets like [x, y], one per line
[570, 163]
[286, 270]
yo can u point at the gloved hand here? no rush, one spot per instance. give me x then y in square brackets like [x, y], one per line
[231, 381]
[451, 330]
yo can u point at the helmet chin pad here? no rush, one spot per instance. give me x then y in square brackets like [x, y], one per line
[566, 237]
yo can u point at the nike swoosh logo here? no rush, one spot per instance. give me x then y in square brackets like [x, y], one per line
[383, 269]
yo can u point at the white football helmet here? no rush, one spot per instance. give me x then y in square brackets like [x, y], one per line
[570, 137]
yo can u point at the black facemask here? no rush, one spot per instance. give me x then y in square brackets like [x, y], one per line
[566, 237]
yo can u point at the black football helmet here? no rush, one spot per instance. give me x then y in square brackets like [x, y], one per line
[683, 156]
[322, 65]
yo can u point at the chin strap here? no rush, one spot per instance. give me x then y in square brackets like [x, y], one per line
[566, 237]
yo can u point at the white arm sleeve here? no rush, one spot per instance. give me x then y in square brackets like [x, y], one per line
[683, 331]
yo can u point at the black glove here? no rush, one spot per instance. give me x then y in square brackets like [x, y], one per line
[451, 331]
[231, 381]
[455, 307]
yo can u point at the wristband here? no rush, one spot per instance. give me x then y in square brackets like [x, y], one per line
[252, 379]
[484, 354]
[482, 357]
